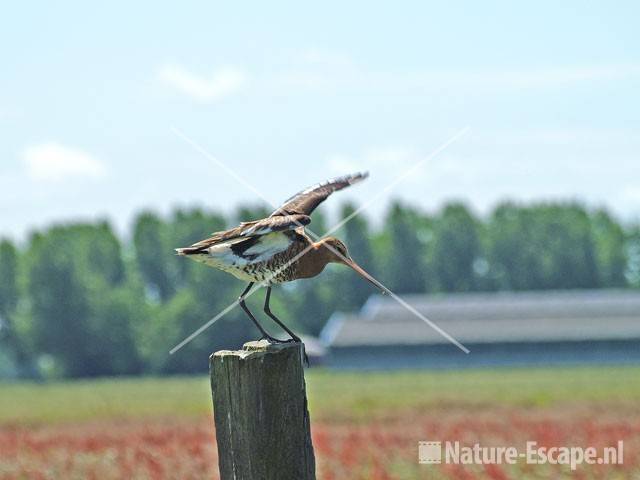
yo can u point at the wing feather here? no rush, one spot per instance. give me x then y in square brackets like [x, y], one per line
[256, 228]
[292, 215]
[306, 201]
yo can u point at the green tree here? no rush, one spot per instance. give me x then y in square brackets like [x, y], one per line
[544, 246]
[515, 261]
[567, 247]
[74, 294]
[176, 320]
[8, 279]
[311, 301]
[77, 316]
[200, 294]
[632, 252]
[104, 255]
[247, 213]
[611, 257]
[185, 227]
[9, 297]
[403, 251]
[349, 290]
[153, 252]
[456, 249]
[357, 237]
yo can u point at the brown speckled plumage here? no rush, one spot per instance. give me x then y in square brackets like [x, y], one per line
[276, 249]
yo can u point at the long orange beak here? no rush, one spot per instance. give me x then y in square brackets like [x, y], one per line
[365, 275]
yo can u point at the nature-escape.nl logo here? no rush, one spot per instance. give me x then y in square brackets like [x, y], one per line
[454, 453]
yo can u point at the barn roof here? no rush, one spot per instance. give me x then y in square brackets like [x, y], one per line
[549, 316]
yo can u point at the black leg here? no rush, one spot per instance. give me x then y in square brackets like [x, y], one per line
[294, 337]
[267, 310]
[250, 315]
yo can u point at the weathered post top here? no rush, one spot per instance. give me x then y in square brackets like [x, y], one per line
[260, 411]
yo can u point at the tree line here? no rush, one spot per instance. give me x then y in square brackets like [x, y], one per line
[76, 300]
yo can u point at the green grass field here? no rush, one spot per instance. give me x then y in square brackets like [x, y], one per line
[332, 394]
[364, 425]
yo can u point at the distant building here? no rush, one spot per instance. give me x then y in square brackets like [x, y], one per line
[315, 350]
[500, 329]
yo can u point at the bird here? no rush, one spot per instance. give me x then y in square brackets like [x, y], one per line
[276, 249]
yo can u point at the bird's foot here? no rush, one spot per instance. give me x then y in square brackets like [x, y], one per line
[271, 339]
[305, 358]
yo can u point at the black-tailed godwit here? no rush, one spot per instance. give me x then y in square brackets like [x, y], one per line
[276, 249]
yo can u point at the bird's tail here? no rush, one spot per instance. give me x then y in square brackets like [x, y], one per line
[187, 251]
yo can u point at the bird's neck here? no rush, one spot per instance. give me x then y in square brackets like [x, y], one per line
[314, 261]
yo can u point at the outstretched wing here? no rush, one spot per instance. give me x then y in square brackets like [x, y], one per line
[305, 202]
[248, 229]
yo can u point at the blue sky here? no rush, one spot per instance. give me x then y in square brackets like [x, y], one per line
[288, 94]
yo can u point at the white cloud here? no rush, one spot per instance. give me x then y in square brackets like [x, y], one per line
[389, 156]
[51, 161]
[327, 58]
[389, 159]
[221, 83]
[325, 70]
[543, 77]
[386, 162]
[631, 195]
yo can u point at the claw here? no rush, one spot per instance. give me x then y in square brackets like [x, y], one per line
[305, 358]
[271, 339]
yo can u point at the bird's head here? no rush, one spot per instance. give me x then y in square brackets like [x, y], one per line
[338, 253]
[336, 250]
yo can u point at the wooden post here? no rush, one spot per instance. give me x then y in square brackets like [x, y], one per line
[260, 410]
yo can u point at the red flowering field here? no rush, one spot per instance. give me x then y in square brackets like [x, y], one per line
[365, 426]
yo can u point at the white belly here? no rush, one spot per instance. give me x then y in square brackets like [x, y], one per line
[250, 267]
